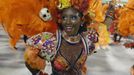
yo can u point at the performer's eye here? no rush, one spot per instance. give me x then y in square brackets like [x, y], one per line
[64, 17]
[74, 17]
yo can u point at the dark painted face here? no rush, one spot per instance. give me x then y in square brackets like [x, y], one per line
[70, 21]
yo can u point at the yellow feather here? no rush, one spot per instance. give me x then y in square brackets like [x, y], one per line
[64, 4]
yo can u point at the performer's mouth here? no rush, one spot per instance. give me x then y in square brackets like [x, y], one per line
[69, 28]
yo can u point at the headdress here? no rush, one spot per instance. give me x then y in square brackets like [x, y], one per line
[89, 8]
[81, 5]
[29, 17]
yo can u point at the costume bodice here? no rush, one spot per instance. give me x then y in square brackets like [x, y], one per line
[69, 58]
[65, 57]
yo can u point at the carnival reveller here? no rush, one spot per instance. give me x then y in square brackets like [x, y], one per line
[126, 22]
[110, 13]
[68, 52]
[126, 19]
[113, 27]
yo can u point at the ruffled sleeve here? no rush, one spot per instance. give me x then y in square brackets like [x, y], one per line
[46, 43]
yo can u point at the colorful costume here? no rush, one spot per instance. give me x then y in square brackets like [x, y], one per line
[113, 26]
[126, 19]
[57, 50]
[126, 22]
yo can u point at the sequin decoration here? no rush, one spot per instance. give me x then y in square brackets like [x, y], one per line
[46, 42]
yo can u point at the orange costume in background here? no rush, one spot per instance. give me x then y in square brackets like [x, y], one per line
[126, 22]
[21, 17]
[126, 19]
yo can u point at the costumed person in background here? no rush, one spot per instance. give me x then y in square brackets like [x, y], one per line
[113, 27]
[126, 22]
[132, 70]
[27, 17]
[67, 50]
[96, 12]
[109, 15]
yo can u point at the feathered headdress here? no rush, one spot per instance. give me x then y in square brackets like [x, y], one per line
[82, 5]
[29, 17]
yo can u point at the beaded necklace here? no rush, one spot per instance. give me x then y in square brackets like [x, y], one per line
[71, 39]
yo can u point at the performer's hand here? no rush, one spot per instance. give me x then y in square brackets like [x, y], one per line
[45, 55]
[93, 36]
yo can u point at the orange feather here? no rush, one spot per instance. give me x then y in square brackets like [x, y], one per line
[21, 17]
